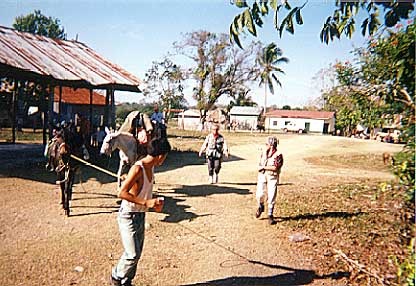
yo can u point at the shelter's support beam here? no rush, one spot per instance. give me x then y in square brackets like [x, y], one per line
[107, 108]
[113, 111]
[14, 109]
[60, 104]
[44, 113]
[51, 96]
[91, 117]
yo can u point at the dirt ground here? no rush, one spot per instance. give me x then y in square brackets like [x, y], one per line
[206, 234]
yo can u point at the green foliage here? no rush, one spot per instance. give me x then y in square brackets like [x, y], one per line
[242, 99]
[252, 16]
[390, 62]
[341, 22]
[39, 24]
[164, 80]
[383, 85]
[219, 68]
[406, 269]
[268, 60]
[122, 110]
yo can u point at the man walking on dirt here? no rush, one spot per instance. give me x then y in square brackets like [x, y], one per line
[271, 162]
[215, 146]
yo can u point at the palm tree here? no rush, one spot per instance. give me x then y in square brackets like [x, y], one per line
[268, 59]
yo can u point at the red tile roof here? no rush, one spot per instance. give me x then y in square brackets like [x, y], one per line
[78, 96]
[300, 114]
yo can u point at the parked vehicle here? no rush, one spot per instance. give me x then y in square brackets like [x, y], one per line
[293, 127]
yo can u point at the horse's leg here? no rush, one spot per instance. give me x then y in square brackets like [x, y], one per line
[70, 183]
[61, 178]
[67, 190]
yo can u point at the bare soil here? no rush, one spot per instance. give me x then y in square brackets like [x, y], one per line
[331, 192]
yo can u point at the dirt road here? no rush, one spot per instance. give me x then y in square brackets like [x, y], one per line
[206, 235]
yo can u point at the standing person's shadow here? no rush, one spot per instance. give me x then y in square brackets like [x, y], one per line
[294, 277]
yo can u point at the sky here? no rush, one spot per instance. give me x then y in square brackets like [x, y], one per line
[134, 33]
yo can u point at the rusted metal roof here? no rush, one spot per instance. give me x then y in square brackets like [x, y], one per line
[300, 114]
[79, 96]
[61, 62]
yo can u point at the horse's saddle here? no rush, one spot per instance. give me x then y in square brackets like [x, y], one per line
[134, 120]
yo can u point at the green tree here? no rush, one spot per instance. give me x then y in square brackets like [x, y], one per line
[220, 69]
[383, 84]
[268, 59]
[165, 80]
[242, 99]
[286, 107]
[341, 22]
[39, 24]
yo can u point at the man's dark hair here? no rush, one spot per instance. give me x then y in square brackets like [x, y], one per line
[158, 146]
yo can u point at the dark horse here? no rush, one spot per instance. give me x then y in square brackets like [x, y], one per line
[65, 143]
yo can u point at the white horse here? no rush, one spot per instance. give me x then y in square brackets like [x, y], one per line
[130, 149]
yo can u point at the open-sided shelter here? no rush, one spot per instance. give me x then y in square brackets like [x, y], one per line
[59, 63]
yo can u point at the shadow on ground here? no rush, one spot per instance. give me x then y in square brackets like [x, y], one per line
[204, 190]
[322, 215]
[292, 278]
[176, 211]
[26, 161]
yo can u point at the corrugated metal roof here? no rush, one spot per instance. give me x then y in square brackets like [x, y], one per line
[79, 96]
[66, 62]
[245, 110]
[190, 112]
[300, 114]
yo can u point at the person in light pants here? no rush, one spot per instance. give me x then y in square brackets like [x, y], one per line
[270, 164]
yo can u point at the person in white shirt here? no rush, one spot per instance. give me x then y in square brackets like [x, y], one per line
[136, 195]
[214, 147]
[270, 164]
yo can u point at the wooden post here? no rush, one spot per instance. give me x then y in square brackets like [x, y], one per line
[106, 108]
[183, 119]
[113, 111]
[50, 109]
[60, 104]
[44, 114]
[91, 125]
[14, 107]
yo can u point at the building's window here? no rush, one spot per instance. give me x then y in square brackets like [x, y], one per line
[274, 123]
[287, 122]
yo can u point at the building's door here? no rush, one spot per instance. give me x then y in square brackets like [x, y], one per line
[326, 127]
[307, 126]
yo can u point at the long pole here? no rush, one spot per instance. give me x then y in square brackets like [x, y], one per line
[94, 166]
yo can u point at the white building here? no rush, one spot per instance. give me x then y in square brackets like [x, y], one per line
[244, 117]
[310, 121]
[189, 120]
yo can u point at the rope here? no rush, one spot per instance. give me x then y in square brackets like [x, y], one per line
[94, 166]
[244, 259]
[222, 264]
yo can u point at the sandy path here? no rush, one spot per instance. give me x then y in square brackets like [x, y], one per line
[207, 234]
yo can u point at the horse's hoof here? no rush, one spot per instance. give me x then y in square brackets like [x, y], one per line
[67, 212]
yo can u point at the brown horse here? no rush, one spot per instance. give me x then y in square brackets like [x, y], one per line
[59, 150]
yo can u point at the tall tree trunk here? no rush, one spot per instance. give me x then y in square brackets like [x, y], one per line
[265, 101]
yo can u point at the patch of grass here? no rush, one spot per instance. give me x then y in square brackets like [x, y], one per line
[362, 161]
[27, 135]
[350, 218]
